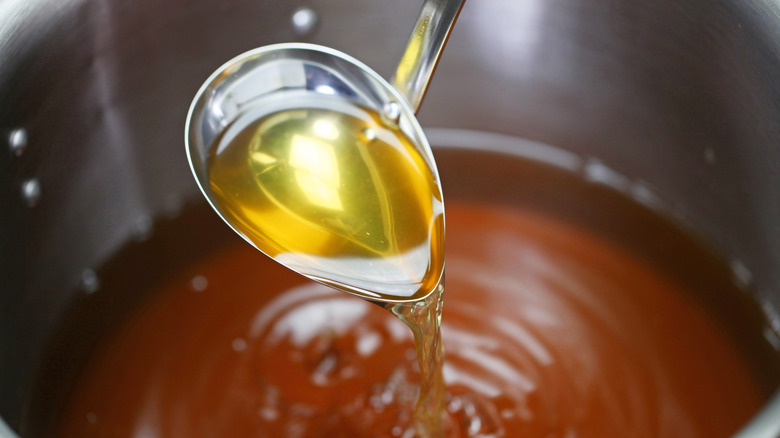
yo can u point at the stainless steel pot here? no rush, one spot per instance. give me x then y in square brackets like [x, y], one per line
[683, 96]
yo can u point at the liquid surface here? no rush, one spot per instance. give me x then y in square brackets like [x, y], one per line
[550, 331]
[336, 194]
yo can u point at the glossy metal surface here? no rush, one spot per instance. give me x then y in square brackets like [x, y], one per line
[286, 76]
[682, 96]
[291, 77]
[279, 76]
[424, 47]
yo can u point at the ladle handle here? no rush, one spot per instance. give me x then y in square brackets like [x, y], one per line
[424, 48]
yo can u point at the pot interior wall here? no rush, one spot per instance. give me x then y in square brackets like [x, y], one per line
[684, 98]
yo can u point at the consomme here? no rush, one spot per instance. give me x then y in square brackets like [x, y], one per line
[571, 310]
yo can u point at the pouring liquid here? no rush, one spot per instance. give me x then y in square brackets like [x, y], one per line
[344, 197]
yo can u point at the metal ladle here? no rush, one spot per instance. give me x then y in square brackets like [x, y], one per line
[269, 79]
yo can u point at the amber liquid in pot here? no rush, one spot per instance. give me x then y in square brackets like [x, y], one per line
[552, 328]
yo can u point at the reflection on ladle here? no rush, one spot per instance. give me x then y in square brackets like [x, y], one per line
[319, 163]
[337, 194]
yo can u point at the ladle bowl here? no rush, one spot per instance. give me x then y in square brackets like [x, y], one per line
[282, 76]
[295, 76]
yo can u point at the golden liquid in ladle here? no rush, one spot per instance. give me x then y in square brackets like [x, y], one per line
[336, 194]
[345, 198]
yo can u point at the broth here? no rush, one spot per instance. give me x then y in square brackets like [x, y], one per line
[570, 310]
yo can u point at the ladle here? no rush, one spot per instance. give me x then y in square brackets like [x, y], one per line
[311, 79]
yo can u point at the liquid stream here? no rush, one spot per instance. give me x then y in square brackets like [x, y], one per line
[424, 319]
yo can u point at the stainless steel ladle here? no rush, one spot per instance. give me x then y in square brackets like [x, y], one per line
[297, 75]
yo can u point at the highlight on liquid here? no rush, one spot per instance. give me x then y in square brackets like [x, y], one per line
[336, 193]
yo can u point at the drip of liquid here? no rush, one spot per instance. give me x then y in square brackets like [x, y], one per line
[344, 197]
[424, 318]
[337, 194]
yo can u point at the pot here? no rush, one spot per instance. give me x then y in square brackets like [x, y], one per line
[682, 96]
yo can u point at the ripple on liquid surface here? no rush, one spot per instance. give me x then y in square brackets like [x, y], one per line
[548, 331]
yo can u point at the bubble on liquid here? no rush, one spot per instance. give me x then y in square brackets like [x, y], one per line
[91, 417]
[304, 21]
[199, 283]
[90, 283]
[17, 141]
[368, 135]
[31, 192]
[391, 112]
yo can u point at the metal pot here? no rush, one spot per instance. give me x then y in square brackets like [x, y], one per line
[683, 96]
